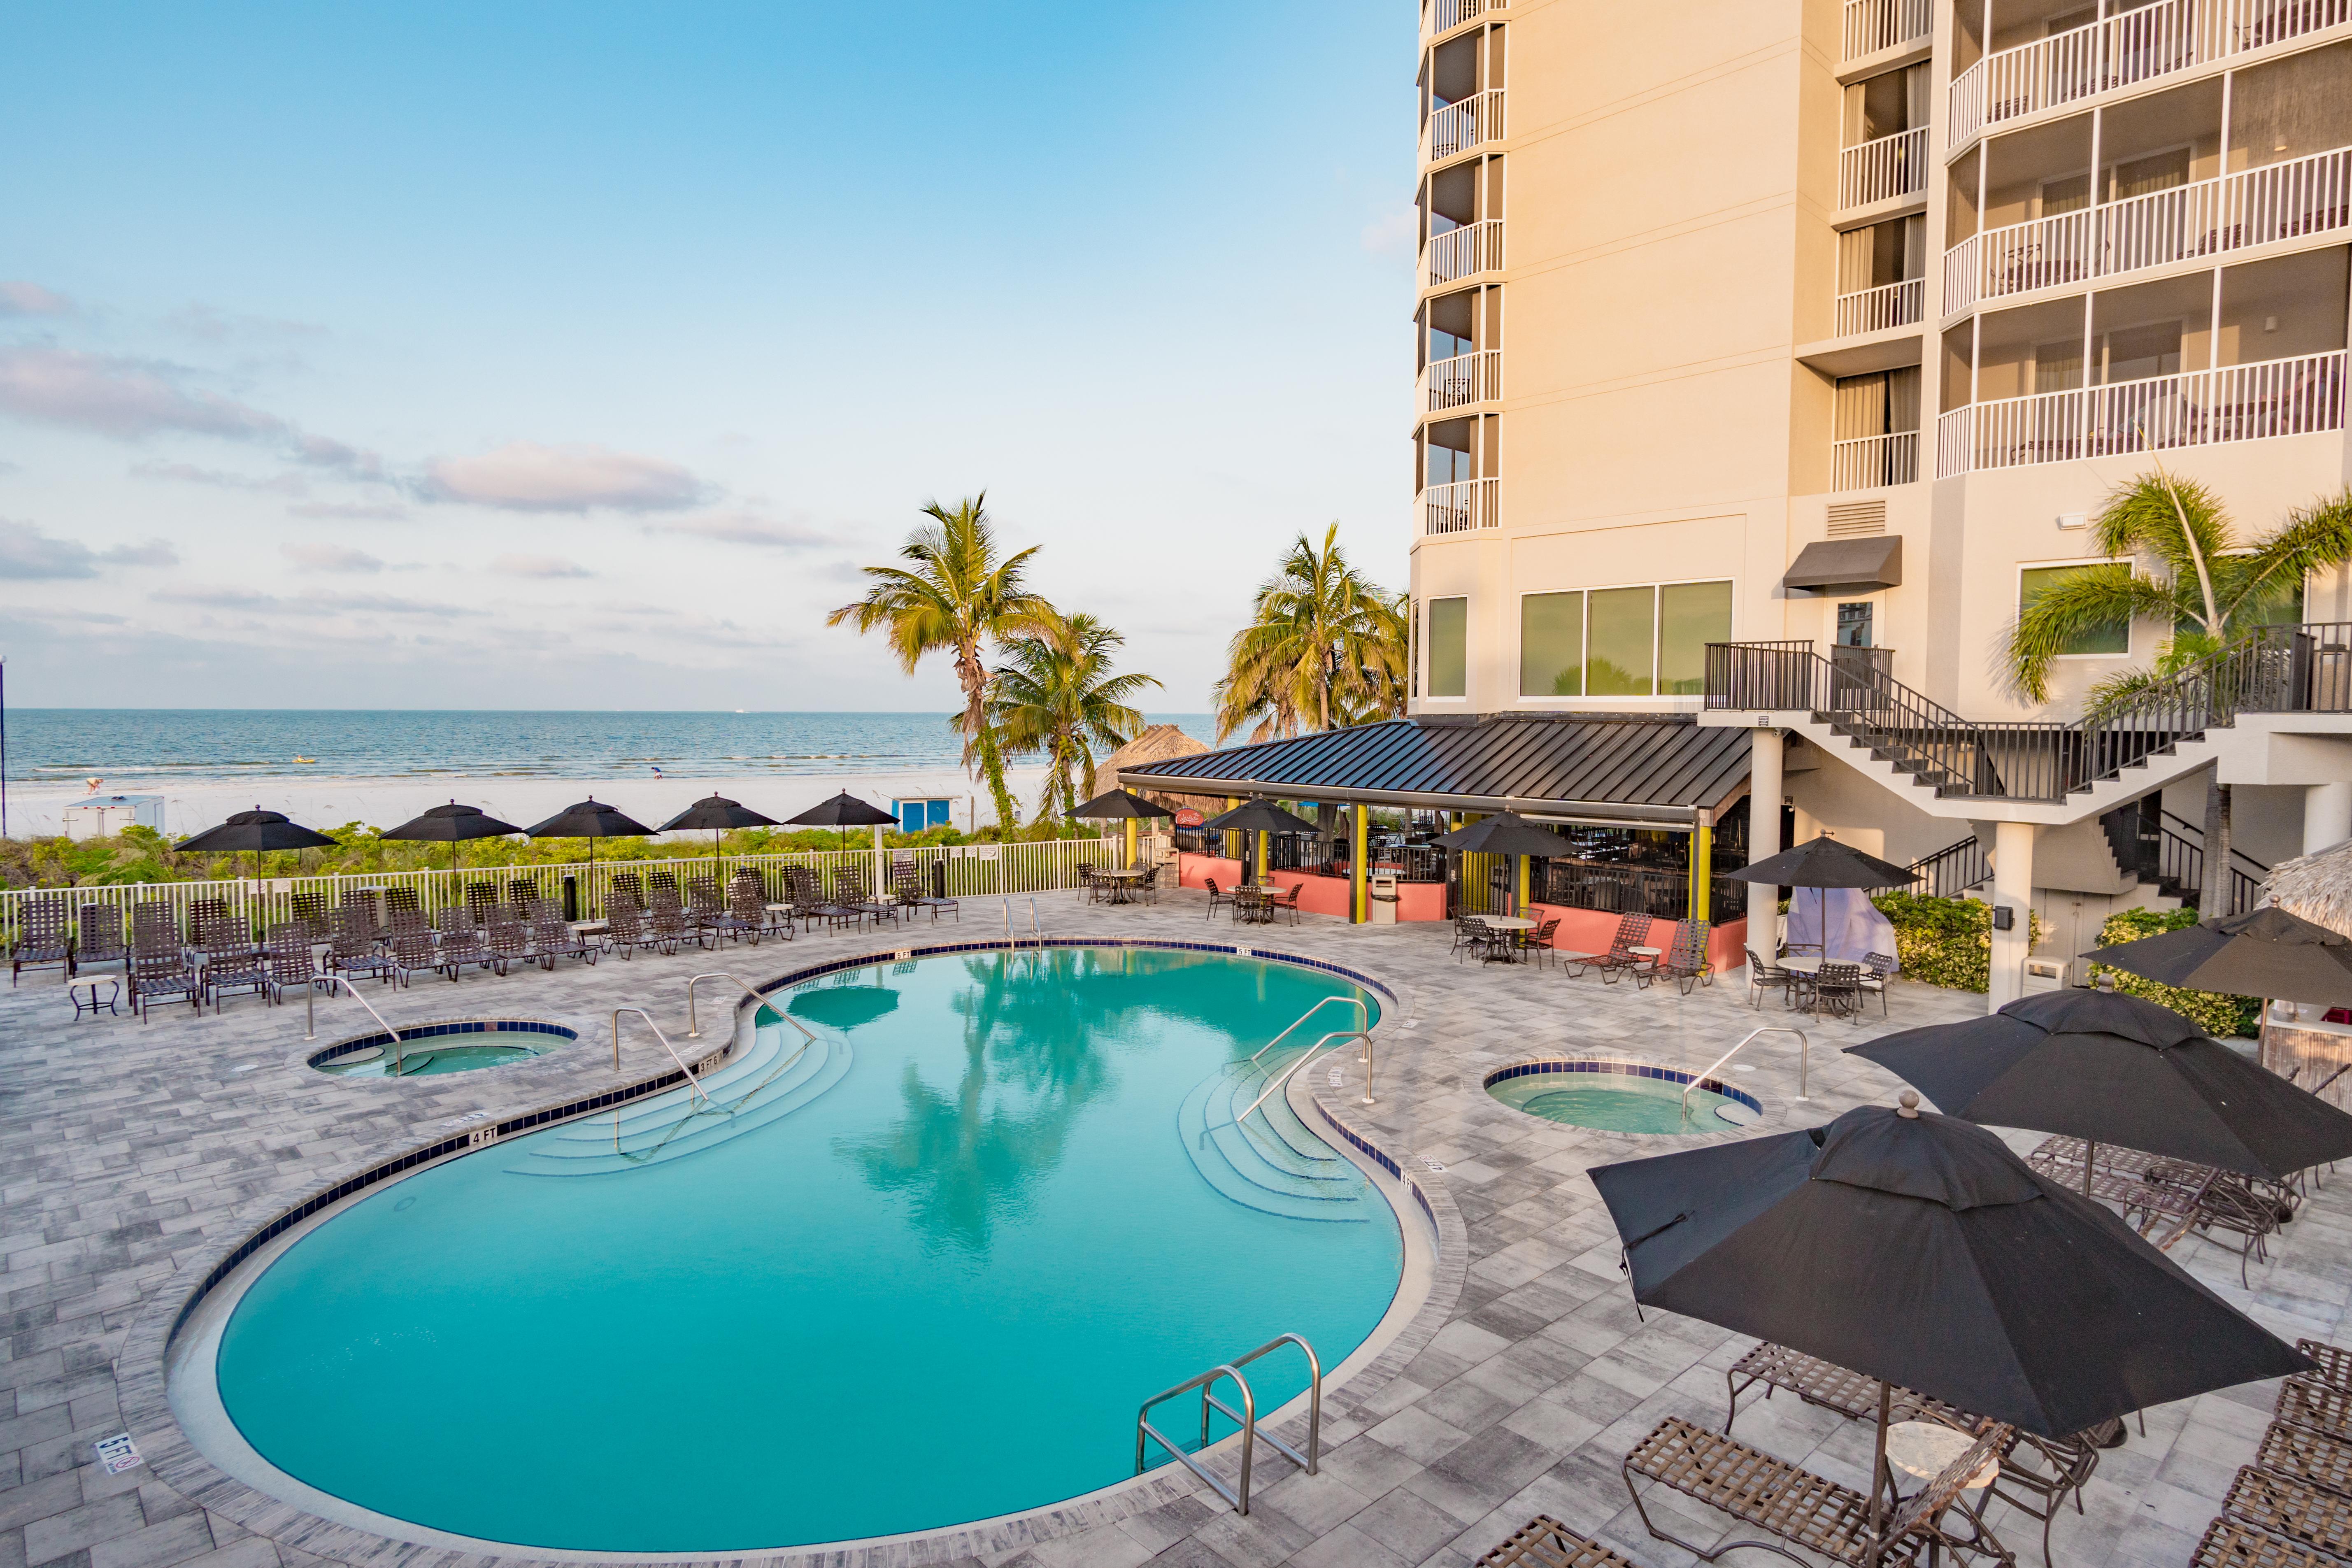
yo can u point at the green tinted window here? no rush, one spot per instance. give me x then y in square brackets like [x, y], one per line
[2113, 638]
[1690, 616]
[1449, 647]
[1617, 658]
[1551, 644]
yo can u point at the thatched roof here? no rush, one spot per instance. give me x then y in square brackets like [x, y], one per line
[2316, 886]
[1157, 744]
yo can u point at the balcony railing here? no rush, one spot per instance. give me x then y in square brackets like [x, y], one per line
[1459, 507]
[1449, 14]
[2296, 397]
[1461, 252]
[1466, 378]
[1883, 169]
[1876, 310]
[2134, 46]
[1872, 25]
[1458, 127]
[2300, 197]
[1868, 462]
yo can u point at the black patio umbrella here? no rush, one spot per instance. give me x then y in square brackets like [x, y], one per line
[2111, 1069]
[1504, 833]
[1118, 804]
[1258, 817]
[1917, 1249]
[843, 811]
[719, 813]
[254, 832]
[2266, 953]
[1824, 863]
[591, 819]
[451, 824]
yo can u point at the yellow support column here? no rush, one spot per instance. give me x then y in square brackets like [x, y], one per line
[1131, 841]
[1265, 840]
[1233, 841]
[1522, 907]
[1702, 865]
[1360, 866]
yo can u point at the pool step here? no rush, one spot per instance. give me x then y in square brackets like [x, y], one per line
[592, 1147]
[746, 1069]
[1266, 1164]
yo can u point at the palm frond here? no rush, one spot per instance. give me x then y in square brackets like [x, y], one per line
[2072, 608]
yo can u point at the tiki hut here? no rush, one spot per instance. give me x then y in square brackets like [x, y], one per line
[2314, 1046]
[1157, 744]
[2316, 886]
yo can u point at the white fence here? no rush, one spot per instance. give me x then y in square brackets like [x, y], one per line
[1883, 169]
[1466, 378]
[1460, 252]
[2296, 397]
[1876, 310]
[1458, 127]
[1872, 25]
[1868, 462]
[2288, 200]
[1452, 13]
[976, 870]
[1459, 507]
[2134, 46]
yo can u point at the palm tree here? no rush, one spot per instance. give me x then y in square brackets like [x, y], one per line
[1055, 694]
[954, 596]
[2190, 570]
[1324, 646]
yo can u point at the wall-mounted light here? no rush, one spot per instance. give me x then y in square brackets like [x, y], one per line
[2003, 918]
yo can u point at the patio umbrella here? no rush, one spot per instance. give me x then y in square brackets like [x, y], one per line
[451, 824]
[1258, 817]
[719, 813]
[2111, 1069]
[1824, 863]
[843, 811]
[2267, 952]
[1916, 1249]
[1119, 804]
[591, 820]
[1504, 833]
[254, 832]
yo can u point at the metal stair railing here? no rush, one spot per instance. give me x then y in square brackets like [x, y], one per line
[1246, 1417]
[1804, 1062]
[1276, 1083]
[1953, 869]
[680, 1060]
[1363, 1021]
[310, 1013]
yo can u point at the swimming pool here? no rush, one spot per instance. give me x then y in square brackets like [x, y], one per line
[1611, 1096]
[918, 1273]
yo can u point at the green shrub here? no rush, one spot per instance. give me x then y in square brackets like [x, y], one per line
[1943, 941]
[2217, 1014]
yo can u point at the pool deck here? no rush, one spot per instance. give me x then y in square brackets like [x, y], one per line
[133, 1156]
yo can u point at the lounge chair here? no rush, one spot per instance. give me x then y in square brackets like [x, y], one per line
[43, 940]
[401, 901]
[670, 923]
[201, 912]
[1544, 1543]
[2294, 1507]
[412, 951]
[804, 894]
[98, 937]
[551, 937]
[523, 891]
[1687, 962]
[1633, 931]
[461, 942]
[2317, 1403]
[625, 929]
[231, 961]
[165, 976]
[507, 937]
[1803, 1509]
[352, 949]
[627, 885]
[2307, 1453]
[2335, 1362]
[309, 912]
[286, 959]
[704, 907]
[744, 915]
[1763, 977]
[481, 897]
[2231, 1542]
[154, 930]
[2234, 1205]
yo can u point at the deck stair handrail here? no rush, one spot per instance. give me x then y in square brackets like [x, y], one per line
[1804, 1062]
[1246, 1417]
[694, 1028]
[1953, 869]
[1282, 1078]
[310, 1013]
[2275, 669]
[680, 1060]
[1363, 1021]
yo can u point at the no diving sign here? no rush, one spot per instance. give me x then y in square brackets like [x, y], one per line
[118, 1454]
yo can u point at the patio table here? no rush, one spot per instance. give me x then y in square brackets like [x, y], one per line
[1508, 925]
[1122, 883]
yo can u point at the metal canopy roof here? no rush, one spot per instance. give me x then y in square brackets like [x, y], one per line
[1870, 562]
[1645, 769]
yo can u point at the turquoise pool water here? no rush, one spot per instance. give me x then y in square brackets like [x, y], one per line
[919, 1274]
[1617, 1102]
[424, 1061]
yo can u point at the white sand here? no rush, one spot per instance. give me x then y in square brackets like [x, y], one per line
[329, 803]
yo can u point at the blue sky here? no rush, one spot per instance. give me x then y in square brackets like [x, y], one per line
[539, 355]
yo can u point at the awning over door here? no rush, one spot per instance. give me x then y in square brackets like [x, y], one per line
[1857, 564]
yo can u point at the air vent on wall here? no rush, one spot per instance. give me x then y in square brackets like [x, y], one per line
[1850, 518]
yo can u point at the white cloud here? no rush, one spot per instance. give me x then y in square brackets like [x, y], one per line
[744, 528]
[229, 597]
[123, 399]
[21, 299]
[29, 554]
[329, 558]
[538, 566]
[209, 324]
[524, 476]
[355, 511]
[1394, 231]
[189, 473]
[217, 596]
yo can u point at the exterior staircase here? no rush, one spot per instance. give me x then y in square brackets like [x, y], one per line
[766, 1081]
[1268, 1162]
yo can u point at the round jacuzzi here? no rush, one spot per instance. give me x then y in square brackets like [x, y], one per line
[1624, 1096]
[429, 1050]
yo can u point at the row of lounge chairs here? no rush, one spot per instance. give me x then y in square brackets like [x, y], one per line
[2166, 1199]
[2291, 1508]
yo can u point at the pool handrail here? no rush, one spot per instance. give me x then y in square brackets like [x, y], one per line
[1143, 1428]
[694, 1029]
[1804, 1055]
[1287, 1074]
[310, 1013]
[680, 1060]
[1363, 1021]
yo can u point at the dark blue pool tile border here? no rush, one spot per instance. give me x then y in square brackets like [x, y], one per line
[461, 1026]
[1628, 1069]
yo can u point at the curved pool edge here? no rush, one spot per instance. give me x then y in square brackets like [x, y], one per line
[1772, 1109]
[1419, 1205]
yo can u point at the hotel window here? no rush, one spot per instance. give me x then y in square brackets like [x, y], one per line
[2113, 638]
[1449, 647]
[1622, 642]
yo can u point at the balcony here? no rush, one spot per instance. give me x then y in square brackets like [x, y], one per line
[1883, 169]
[1448, 15]
[1872, 462]
[2300, 197]
[1458, 127]
[1463, 252]
[1876, 309]
[1459, 507]
[1464, 379]
[1873, 26]
[2298, 396]
[2138, 46]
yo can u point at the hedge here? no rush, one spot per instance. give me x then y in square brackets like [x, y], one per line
[2217, 1014]
[1943, 941]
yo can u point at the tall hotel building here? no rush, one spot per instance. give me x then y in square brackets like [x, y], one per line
[1769, 354]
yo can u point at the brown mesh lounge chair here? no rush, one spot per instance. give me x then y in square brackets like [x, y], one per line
[2231, 1542]
[2335, 1362]
[412, 951]
[1633, 931]
[627, 885]
[43, 940]
[98, 937]
[309, 912]
[625, 929]
[551, 937]
[287, 961]
[201, 912]
[481, 897]
[2285, 1505]
[461, 942]
[166, 976]
[669, 922]
[1687, 962]
[2313, 1454]
[352, 949]
[507, 939]
[2317, 1403]
[154, 930]
[1545, 1542]
[231, 961]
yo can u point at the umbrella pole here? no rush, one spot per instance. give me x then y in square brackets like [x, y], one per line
[1877, 1476]
[2090, 1158]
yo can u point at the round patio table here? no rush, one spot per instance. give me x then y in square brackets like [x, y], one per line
[1924, 1449]
[1122, 883]
[1508, 925]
